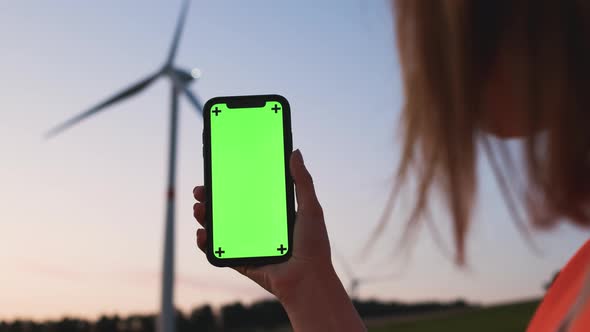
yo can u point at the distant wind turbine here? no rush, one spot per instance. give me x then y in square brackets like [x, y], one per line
[180, 80]
[355, 281]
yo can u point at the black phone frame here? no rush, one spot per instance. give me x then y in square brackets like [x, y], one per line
[247, 102]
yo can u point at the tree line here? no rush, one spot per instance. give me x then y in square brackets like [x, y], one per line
[259, 316]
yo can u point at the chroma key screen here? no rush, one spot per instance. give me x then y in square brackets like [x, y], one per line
[248, 194]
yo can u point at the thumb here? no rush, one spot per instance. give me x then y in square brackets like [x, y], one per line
[304, 189]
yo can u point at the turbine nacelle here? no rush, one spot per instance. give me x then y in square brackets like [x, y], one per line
[181, 75]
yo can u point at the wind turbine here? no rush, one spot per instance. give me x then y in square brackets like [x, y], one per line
[180, 79]
[355, 281]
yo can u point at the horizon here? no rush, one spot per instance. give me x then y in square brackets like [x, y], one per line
[83, 213]
[216, 309]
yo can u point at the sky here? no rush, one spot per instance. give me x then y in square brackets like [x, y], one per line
[81, 215]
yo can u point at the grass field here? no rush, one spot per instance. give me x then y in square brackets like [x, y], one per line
[505, 318]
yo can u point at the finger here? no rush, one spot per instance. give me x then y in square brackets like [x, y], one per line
[199, 213]
[201, 239]
[304, 189]
[252, 272]
[199, 193]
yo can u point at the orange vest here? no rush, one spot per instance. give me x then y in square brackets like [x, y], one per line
[562, 295]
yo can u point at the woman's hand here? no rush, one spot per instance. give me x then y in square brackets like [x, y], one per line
[311, 248]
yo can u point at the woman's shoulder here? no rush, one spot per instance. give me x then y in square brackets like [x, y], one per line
[563, 294]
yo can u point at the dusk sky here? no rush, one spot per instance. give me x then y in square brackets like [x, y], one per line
[81, 215]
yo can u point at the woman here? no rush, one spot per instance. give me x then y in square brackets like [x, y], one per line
[471, 68]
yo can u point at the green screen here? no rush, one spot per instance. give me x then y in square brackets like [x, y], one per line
[249, 199]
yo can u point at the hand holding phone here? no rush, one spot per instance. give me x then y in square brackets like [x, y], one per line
[311, 247]
[305, 283]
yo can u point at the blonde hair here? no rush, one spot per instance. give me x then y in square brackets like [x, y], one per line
[447, 51]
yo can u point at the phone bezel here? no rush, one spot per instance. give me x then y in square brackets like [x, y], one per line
[247, 102]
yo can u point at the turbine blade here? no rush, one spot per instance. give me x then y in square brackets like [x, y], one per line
[178, 32]
[196, 101]
[383, 278]
[128, 92]
[343, 263]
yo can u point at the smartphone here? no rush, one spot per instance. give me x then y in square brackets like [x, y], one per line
[247, 144]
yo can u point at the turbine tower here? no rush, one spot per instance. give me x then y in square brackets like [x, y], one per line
[180, 80]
